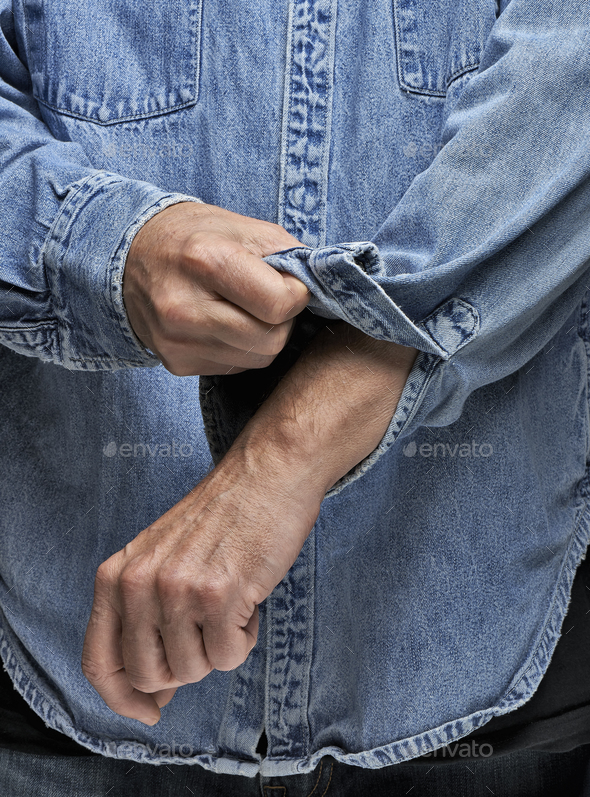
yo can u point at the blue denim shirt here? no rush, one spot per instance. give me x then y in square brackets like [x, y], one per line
[434, 155]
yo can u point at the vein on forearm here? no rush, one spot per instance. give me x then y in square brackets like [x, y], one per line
[334, 405]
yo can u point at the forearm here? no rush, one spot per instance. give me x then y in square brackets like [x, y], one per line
[333, 407]
[218, 553]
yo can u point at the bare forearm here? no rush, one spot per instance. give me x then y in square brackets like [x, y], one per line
[334, 406]
[214, 556]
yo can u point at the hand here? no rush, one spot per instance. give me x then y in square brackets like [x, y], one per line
[199, 295]
[182, 598]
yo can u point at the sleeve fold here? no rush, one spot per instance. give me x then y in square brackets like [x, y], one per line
[486, 256]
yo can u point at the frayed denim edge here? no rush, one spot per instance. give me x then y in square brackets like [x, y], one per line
[378, 757]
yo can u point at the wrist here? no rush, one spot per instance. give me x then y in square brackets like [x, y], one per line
[268, 473]
[331, 409]
[273, 454]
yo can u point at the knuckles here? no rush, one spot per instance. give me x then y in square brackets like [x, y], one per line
[135, 578]
[171, 311]
[92, 670]
[277, 338]
[212, 594]
[276, 308]
[178, 591]
[205, 255]
[145, 682]
[106, 575]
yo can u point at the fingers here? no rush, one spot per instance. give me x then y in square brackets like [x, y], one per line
[194, 275]
[151, 603]
[184, 360]
[228, 645]
[224, 346]
[157, 661]
[182, 597]
[245, 280]
[163, 696]
[207, 321]
[205, 624]
[181, 652]
[185, 652]
[243, 334]
[144, 636]
[102, 664]
[297, 288]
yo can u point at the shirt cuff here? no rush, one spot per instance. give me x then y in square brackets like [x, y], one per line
[343, 281]
[84, 256]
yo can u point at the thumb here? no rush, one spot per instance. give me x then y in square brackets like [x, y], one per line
[300, 294]
[164, 696]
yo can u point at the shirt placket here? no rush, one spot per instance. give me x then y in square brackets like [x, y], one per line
[307, 112]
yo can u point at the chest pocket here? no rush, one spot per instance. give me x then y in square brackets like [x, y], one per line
[111, 61]
[438, 41]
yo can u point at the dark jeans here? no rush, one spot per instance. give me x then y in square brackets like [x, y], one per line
[520, 774]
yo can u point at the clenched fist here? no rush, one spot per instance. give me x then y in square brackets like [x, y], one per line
[199, 295]
[182, 598]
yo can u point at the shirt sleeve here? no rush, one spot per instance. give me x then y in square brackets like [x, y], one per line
[487, 254]
[66, 229]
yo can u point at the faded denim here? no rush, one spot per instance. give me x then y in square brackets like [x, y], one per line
[434, 156]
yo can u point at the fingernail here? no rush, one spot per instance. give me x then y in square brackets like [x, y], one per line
[150, 720]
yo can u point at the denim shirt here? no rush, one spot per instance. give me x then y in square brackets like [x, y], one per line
[433, 156]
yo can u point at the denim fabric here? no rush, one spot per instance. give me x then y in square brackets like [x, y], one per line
[521, 774]
[434, 158]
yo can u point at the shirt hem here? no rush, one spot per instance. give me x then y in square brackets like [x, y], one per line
[519, 692]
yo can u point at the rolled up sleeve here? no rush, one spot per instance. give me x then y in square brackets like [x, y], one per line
[487, 254]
